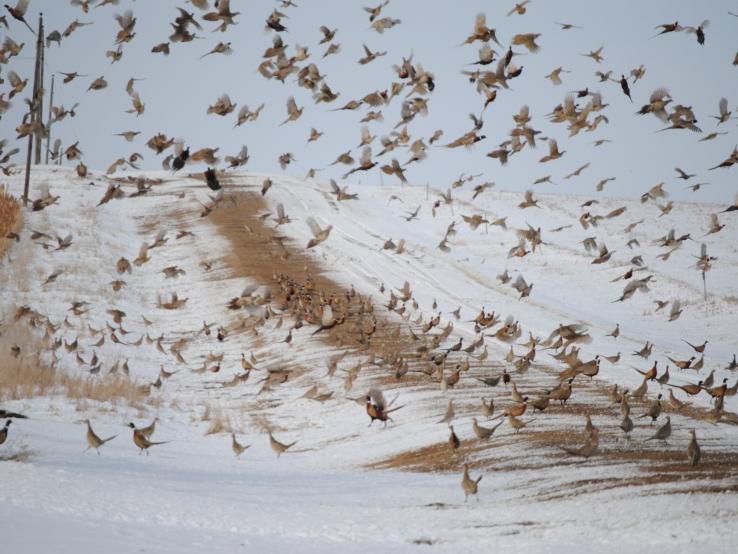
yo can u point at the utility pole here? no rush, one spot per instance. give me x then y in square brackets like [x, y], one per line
[48, 125]
[34, 112]
[39, 91]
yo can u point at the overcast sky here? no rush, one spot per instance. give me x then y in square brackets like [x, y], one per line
[177, 89]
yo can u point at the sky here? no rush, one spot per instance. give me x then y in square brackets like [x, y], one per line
[177, 89]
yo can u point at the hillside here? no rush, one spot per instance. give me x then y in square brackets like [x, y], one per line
[89, 351]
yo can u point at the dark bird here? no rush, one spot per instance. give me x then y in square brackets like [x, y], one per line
[667, 28]
[683, 174]
[212, 179]
[625, 87]
[179, 162]
[19, 12]
[4, 431]
[699, 31]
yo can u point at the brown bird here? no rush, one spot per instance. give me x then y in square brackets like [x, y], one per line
[453, 440]
[676, 310]
[466, 140]
[694, 452]
[626, 425]
[485, 57]
[161, 48]
[279, 447]
[314, 135]
[481, 32]
[220, 48]
[225, 16]
[555, 75]
[395, 169]
[319, 235]
[516, 423]
[370, 56]
[691, 389]
[529, 201]
[98, 84]
[667, 28]
[519, 8]
[469, 485]
[654, 410]
[69, 77]
[483, 432]
[128, 135]
[293, 112]
[141, 441]
[675, 402]
[553, 152]
[715, 225]
[562, 392]
[589, 448]
[649, 375]
[488, 409]
[663, 432]
[697, 348]
[528, 40]
[522, 287]
[93, 441]
[365, 162]
[237, 447]
[127, 23]
[376, 10]
[377, 408]
[682, 364]
[596, 55]
[149, 429]
[222, 106]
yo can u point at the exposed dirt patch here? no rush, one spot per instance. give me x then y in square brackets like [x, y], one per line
[260, 255]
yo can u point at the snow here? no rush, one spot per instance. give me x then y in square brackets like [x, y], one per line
[192, 494]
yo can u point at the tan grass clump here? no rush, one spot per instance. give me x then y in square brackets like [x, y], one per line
[10, 217]
[218, 425]
[19, 380]
[26, 376]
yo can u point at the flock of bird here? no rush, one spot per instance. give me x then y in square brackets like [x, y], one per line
[351, 318]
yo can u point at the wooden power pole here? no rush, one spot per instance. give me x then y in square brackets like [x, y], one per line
[48, 124]
[35, 111]
[39, 91]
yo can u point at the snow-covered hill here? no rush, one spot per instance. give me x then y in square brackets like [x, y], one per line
[326, 493]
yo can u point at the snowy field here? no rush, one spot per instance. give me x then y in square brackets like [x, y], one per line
[346, 487]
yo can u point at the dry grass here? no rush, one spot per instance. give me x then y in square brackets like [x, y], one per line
[10, 217]
[116, 389]
[218, 424]
[26, 376]
[19, 380]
